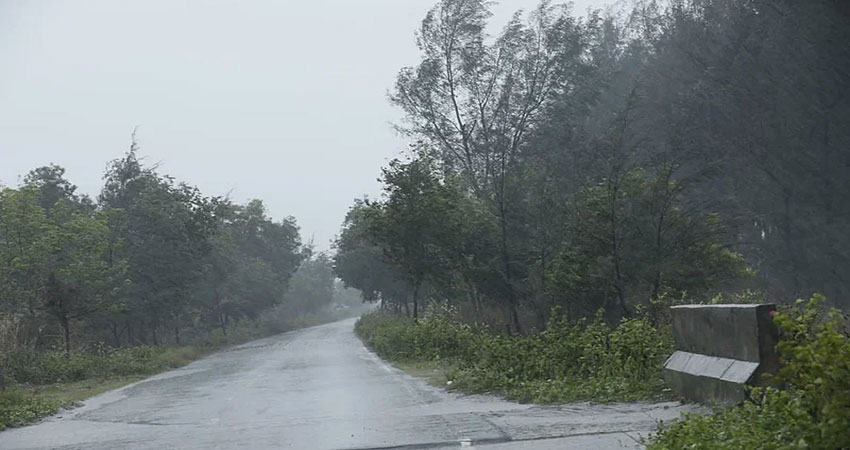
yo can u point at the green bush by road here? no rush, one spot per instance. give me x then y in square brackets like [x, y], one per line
[584, 360]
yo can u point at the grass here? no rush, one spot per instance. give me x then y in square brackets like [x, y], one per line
[24, 403]
[807, 405]
[434, 373]
[570, 361]
[70, 394]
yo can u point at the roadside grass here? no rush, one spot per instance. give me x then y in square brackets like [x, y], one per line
[433, 373]
[44, 382]
[808, 406]
[20, 405]
[49, 381]
[569, 362]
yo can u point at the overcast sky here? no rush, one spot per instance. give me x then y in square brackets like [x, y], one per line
[279, 100]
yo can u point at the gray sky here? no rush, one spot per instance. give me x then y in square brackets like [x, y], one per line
[280, 100]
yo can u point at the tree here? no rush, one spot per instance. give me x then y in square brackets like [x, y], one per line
[416, 224]
[249, 266]
[153, 254]
[165, 233]
[80, 279]
[312, 285]
[475, 105]
[25, 246]
[360, 262]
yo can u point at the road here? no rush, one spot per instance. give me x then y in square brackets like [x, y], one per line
[319, 388]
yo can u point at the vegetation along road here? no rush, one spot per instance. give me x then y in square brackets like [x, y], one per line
[320, 388]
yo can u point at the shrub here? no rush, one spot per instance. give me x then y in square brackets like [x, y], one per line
[55, 367]
[566, 362]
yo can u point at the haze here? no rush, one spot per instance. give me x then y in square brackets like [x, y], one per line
[281, 101]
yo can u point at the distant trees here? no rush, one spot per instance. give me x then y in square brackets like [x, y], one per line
[150, 258]
[248, 267]
[313, 286]
[674, 150]
[360, 261]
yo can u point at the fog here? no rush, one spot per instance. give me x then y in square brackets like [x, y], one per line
[281, 101]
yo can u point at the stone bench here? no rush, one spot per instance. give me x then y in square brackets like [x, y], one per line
[721, 349]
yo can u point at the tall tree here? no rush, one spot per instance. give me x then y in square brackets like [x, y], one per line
[476, 104]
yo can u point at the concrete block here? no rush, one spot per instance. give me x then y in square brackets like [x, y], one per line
[720, 349]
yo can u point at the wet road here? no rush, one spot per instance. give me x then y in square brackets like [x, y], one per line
[319, 388]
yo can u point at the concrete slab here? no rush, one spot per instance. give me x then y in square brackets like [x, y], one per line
[720, 349]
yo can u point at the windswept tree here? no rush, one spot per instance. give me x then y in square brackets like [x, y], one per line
[165, 229]
[476, 103]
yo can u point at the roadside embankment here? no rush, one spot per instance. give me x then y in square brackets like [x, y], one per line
[806, 405]
[568, 362]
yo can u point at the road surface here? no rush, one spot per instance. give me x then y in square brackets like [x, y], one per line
[319, 388]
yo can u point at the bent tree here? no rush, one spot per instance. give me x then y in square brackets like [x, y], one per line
[474, 102]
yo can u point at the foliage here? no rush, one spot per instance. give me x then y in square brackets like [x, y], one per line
[152, 259]
[18, 408]
[312, 285]
[553, 165]
[813, 410]
[568, 361]
[55, 367]
[361, 263]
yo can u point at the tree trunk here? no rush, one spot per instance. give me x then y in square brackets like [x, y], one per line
[476, 302]
[506, 261]
[66, 328]
[116, 333]
[129, 333]
[154, 336]
[515, 318]
[177, 335]
[790, 248]
[416, 300]
[223, 324]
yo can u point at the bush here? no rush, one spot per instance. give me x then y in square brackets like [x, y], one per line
[567, 362]
[813, 410]
[55, 367]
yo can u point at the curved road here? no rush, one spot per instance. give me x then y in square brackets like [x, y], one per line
[319, 388]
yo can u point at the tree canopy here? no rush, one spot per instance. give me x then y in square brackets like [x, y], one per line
[668, 150]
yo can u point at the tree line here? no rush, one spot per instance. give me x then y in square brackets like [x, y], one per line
[150, 260]
[625, 160]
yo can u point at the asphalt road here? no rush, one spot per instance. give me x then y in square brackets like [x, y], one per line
[319, 388]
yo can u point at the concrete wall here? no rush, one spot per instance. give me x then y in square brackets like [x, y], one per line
[720, 349]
